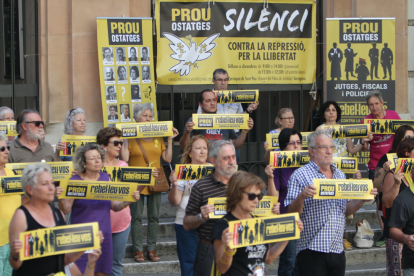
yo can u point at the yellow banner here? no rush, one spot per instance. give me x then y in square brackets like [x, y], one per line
[346, 164]
[254, 231]
[348, 131]
[386, 126]
[192, 172]
[145, 130]
[8, 128]
[237, 96]
[263, 208]
[405, 165]
[126, 67]
[255, 44]
[343, 189]
[221, 121]
[74, 141]
[59, 240]
[98, 190]
[60, 170]
[11, 185]
[394, 160]
[141, 175]
[289, 159]
[273, 140]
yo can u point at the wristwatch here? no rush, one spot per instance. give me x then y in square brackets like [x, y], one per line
[200, 218]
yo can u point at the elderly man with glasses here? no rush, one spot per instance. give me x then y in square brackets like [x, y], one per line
[29, 146]
[320, 249]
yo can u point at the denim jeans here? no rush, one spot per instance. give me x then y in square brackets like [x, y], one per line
[313, 263]
[119, 241]
[287, 260]
[5, 268]
[186, 248]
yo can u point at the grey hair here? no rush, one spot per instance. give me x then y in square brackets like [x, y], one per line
[70, 118]
[79, 160]
[280, 113]
[219, 71]
[3, 138]
[142, 107]
[215, 147]
[4, 110]
[21, 118]
[123, 108]
[30, 174]
[374, 93]
[312, 137]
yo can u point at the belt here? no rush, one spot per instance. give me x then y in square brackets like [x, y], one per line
[204, 241]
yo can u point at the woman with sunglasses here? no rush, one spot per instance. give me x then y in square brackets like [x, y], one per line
[75, 124]
[242, 196]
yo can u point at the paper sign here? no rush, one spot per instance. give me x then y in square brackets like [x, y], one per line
[146, 130]
[386, 126]
[348, 131]
[273, 140]
[60, 170]
[192, 172]
[72, 142]
[11, 185]
[221, 121]
[289, 159]
[394, 158]
[404, 165]
[237, 96]
[8, 128]
[343, 189]
[346, 164]
[140, 175]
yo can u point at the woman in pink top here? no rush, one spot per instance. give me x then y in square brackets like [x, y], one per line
[110, 140]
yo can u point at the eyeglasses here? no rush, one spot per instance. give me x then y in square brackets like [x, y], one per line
[222, 80]
[324, 148]
[3, 148]
[288, 118]
[253, 196]
[295, 142]
[37, 123]
[117, 143]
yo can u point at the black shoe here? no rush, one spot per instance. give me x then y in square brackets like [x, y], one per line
[380, 242]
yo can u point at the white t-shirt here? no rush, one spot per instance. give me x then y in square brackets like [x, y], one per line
[186, 186]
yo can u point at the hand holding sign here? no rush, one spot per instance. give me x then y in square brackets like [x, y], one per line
[250, 124]
[175, 133]
[398, 178]
[206, 210]
[189, 126]
[136, 194]
[309, 191]
[60, 146]
[373, 192]
[227, 239]
[266, 146]
[15, 247]
[253, 106]
[276, 208]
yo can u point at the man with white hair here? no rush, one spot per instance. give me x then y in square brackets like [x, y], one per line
[29, 146]
[320, 250]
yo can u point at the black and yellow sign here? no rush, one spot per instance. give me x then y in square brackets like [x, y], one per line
[255, 44]
[141, 175]
[346, 164]
[273, 140]
[60, 170]
[72, 142]
[221, 121]
[237, 96]
[289, 159]
[126, 67]
[146, 130]
[405, 165]
[59, 240]
[394, 160]
[10, 185]
[192, 172]
[98, 190]
[8, 128]
[261, 230]
[343, 189]
[348, 131]
[263, 208]
[387, 126]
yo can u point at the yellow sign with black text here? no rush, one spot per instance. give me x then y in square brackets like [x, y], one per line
[72, 142]
[348, 131]
[60, 170]
[264, 230]
[221, 121]
[394, 160]
[141, 175]
[10, 185]
[146, 130]
[404, 165]
[273, 140]
[237, 96]
[46, 242]
[346, 164]
[192, 172]
[289, 159]
[8, 128]
[386, 126]
[343, 189]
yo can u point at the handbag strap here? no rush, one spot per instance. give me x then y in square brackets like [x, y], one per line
[143, 151]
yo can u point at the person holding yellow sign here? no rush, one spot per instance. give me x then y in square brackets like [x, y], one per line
[6, 114]
[243, 194]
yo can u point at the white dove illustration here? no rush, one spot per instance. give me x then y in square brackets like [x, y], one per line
[188, 56]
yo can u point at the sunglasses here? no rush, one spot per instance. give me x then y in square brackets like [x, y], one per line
[37, 123]
[116, 143]
[3, 148]
[253, 196]
[409, 137]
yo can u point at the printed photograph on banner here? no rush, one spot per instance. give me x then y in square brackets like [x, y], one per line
[133, 55]
[59, 240]
[135, 93]
[145, 55]
[405, 165]
[148, 93]
[343, 189]
[346, 164]
[192, 172]
[289, 159]
[140, 175]
[360, 58]
[144, 130]
[220, 121]
[394, 160]
[10, 185]
[125, 114]
[60, 170]
[8, 128]
[112, 110]
[122, 74]
[387, 126]
[120, 56]
[109, 75]
[134, 74]
[348, 131]
[264, 230]
[108, 58]
[273, 140]
[110, 94]
[235, 96]
[73, 142]
[146, 74]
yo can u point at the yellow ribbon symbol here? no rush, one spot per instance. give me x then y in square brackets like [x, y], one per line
[156, 143]
[149, 165]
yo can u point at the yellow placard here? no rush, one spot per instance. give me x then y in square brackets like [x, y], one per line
[289, 159]
[405, 165]
[237, 96]
[394, 160]
[98, 190]
[346, 164]
[8, 128]
[126, 67]
[343, 189]
[59, 240]
[220, 121]
[60, 170]
[263, 208]
[146, 130]
[348, 131]
[262, 230]
[386, 126]
[192, 172]
[10, 185]
[141, 175]
[72, 142]
[273, 140]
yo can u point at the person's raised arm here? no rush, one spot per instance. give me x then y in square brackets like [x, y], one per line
[271, 187]
[186, 135]
[239, 141]
[391, 188]
[59, 146]
[117, 206]
[18, 224]
[354, 205]
[65, 205]
[224, 255]
[379, 176]
[267, 153]
[297, 204]
[175, 196]
[168, 153]
[124, 153]
[191, 219]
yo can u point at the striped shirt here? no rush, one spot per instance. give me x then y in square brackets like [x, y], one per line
[205, 188]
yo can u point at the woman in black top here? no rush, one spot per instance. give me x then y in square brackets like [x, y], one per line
[243, 194]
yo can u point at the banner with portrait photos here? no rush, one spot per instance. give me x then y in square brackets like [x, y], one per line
[256, 43]
[126, 67]
[360, 59]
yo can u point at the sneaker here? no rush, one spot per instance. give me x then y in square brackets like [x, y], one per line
[347, 245]
[380, 242]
